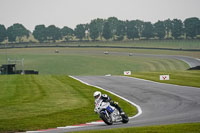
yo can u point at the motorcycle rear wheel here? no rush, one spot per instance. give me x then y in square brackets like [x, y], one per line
[125, 118]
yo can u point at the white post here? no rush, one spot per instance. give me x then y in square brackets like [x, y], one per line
[23, 66]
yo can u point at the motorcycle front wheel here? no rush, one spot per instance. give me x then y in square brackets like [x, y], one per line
[106, 119]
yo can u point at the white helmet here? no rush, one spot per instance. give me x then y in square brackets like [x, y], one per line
[97, 94]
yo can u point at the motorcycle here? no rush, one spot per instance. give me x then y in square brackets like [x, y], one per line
[108, 113]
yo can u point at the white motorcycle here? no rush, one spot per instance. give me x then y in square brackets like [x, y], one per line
[108, 113]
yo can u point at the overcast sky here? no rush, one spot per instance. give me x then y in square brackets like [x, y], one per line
[72, 12]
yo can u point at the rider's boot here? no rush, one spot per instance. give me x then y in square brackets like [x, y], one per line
[120, 110]
[122, 113]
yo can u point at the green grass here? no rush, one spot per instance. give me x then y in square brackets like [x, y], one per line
[185, 78]
[31, 102]
[51, 99]
[176, 128]
[86, 61]
[172, 44]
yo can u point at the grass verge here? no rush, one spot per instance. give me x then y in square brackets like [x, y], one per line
[31, 102]
[185, 78]
[175, 128]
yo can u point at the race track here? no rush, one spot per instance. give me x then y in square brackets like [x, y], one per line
[160, 103]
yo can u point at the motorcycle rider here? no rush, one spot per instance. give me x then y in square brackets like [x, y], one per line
[106, 98]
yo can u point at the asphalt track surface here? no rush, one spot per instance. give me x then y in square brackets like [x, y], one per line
[160, 103]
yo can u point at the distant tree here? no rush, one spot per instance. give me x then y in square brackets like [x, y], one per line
[80, 31]
[96, 27]
[86, 26]
[121, 30]
[177, 28]
[199, 27]
[147, 30]
[100, 23]
[159, 29]
[53, 33]
[11, 33]
[17, 30]
[40, 33]
[93, 29]
[132, 31]
[191, 27]
[67, 32]
[3, 33]
[106, 31]
[168, 27]
[139, 25]
[113, 23]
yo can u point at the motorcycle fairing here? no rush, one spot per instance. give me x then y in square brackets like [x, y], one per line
[110, 109]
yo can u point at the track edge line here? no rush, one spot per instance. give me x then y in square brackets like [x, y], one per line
[132, 103]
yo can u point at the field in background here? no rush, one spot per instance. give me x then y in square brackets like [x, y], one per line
[171, 44]
[90, 61]
[143, 44]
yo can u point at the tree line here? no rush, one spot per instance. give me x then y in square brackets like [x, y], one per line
[107, 29]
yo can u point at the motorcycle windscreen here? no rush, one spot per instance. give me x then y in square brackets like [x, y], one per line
[109, 109]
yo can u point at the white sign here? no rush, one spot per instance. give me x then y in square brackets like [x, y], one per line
[127, 72]
[164, 77]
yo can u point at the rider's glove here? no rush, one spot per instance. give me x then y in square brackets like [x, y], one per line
[115, 102]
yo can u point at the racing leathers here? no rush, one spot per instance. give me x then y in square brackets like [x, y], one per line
[106, 98]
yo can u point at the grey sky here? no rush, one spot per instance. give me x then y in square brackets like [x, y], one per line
[72, 12]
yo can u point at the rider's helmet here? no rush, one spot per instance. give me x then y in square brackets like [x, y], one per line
[97, 94]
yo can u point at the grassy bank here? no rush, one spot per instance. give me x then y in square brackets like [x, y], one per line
[31, 102]
[80, 61]
[176, 128]
[185, 78]
[166, 44]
